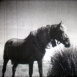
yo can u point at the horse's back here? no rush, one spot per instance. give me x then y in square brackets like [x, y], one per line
[12, 47]
[15, 42]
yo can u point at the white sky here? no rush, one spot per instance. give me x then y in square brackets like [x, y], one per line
[18, 18]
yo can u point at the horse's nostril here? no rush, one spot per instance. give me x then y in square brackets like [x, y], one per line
[67, 45]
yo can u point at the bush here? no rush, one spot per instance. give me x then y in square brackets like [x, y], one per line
[64, 64]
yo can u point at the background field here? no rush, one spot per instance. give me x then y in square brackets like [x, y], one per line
[22, 70]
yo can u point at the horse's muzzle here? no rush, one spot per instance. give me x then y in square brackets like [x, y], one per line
[67, 45]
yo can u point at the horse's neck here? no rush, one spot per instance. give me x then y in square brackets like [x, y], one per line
[43, 38]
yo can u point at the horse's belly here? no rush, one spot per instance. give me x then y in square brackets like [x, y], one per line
[21, 61]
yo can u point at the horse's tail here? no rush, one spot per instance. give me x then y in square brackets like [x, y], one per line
[6, 49]
[5, 55]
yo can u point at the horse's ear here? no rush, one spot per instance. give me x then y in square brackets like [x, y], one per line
[59, 24]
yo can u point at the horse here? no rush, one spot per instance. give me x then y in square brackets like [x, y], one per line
[32, 48]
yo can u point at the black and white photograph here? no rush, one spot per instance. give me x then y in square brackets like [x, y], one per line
[38, 38]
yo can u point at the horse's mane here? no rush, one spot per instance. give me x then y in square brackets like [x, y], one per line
[44, 31]
[41, 35]
[41, 29]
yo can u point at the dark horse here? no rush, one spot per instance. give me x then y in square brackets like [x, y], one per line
[32, 48]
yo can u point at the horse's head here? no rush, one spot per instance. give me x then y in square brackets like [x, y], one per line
[57, 32]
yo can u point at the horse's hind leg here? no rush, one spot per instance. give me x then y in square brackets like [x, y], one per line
[4, 67]
[14, 69]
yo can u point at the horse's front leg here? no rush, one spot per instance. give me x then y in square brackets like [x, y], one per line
[30, 69]
[40, 67]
